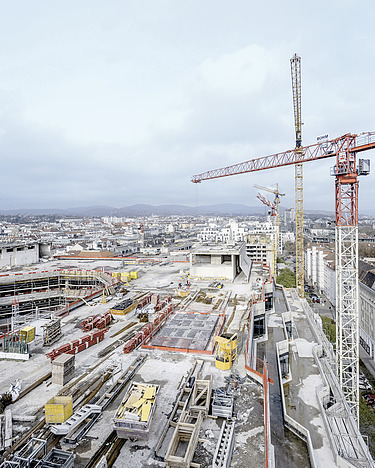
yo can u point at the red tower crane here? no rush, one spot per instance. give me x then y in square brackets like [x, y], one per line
[346, 172]
[275, 234]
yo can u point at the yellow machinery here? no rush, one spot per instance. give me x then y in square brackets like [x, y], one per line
[104, 300]
[226, 350]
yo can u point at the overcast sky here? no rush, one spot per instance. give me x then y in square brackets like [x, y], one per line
[120, 102]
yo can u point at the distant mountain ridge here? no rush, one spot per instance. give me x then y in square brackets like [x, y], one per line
[142, 210]
[229, 209]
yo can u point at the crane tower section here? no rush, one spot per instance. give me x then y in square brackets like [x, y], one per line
[295, 63]
[347, 288]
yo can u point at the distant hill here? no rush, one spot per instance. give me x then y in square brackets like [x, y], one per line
[225, 209]
[144, 210]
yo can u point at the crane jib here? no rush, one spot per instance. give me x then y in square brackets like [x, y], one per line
[322, 150]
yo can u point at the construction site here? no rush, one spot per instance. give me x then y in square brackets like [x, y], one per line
[198, 364]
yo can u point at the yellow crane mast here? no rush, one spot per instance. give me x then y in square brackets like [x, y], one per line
[295, 63]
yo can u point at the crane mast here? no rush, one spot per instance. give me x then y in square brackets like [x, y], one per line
[295, 63]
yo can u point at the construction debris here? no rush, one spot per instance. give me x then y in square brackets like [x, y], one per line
[134, 415]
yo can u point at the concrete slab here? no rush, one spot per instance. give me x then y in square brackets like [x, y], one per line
[187, 331]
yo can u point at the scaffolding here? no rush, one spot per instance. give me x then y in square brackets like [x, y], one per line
[40, 293]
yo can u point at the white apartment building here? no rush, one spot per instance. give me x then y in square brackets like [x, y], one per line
[367, 307]
[320, 269]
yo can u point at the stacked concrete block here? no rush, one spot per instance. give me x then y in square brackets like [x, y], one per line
[63, 368]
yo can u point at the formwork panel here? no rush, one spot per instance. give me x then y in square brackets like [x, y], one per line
[187, 331]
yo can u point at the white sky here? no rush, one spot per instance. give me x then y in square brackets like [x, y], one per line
[121, 102]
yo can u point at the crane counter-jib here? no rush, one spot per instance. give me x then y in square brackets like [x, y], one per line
[321, 150]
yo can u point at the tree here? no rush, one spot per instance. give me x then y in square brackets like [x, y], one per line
[287, 278]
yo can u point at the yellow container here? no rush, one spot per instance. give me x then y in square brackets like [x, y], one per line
[134, 274]
[58, 409]
[181, 292]
[29, 332]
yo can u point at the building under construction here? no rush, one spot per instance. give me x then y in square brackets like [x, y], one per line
[38, 294]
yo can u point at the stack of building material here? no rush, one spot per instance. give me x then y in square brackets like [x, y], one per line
[96, 321]
[123, 307]
[63, 369]
[76, 346]
[222, 403]
[144, 301]
[160, 305]
[58, 409]
[148, 330]
[125, 277]
[154, 299]
[14, 346]
[51, 332]
[134, 415]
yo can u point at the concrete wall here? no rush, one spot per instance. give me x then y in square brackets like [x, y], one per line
[206, 270]
[19, 254]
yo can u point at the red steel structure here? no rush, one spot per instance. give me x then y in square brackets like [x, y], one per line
[276, 233]
[346, 172]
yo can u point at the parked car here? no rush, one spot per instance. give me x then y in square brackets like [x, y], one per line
[315, 298]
